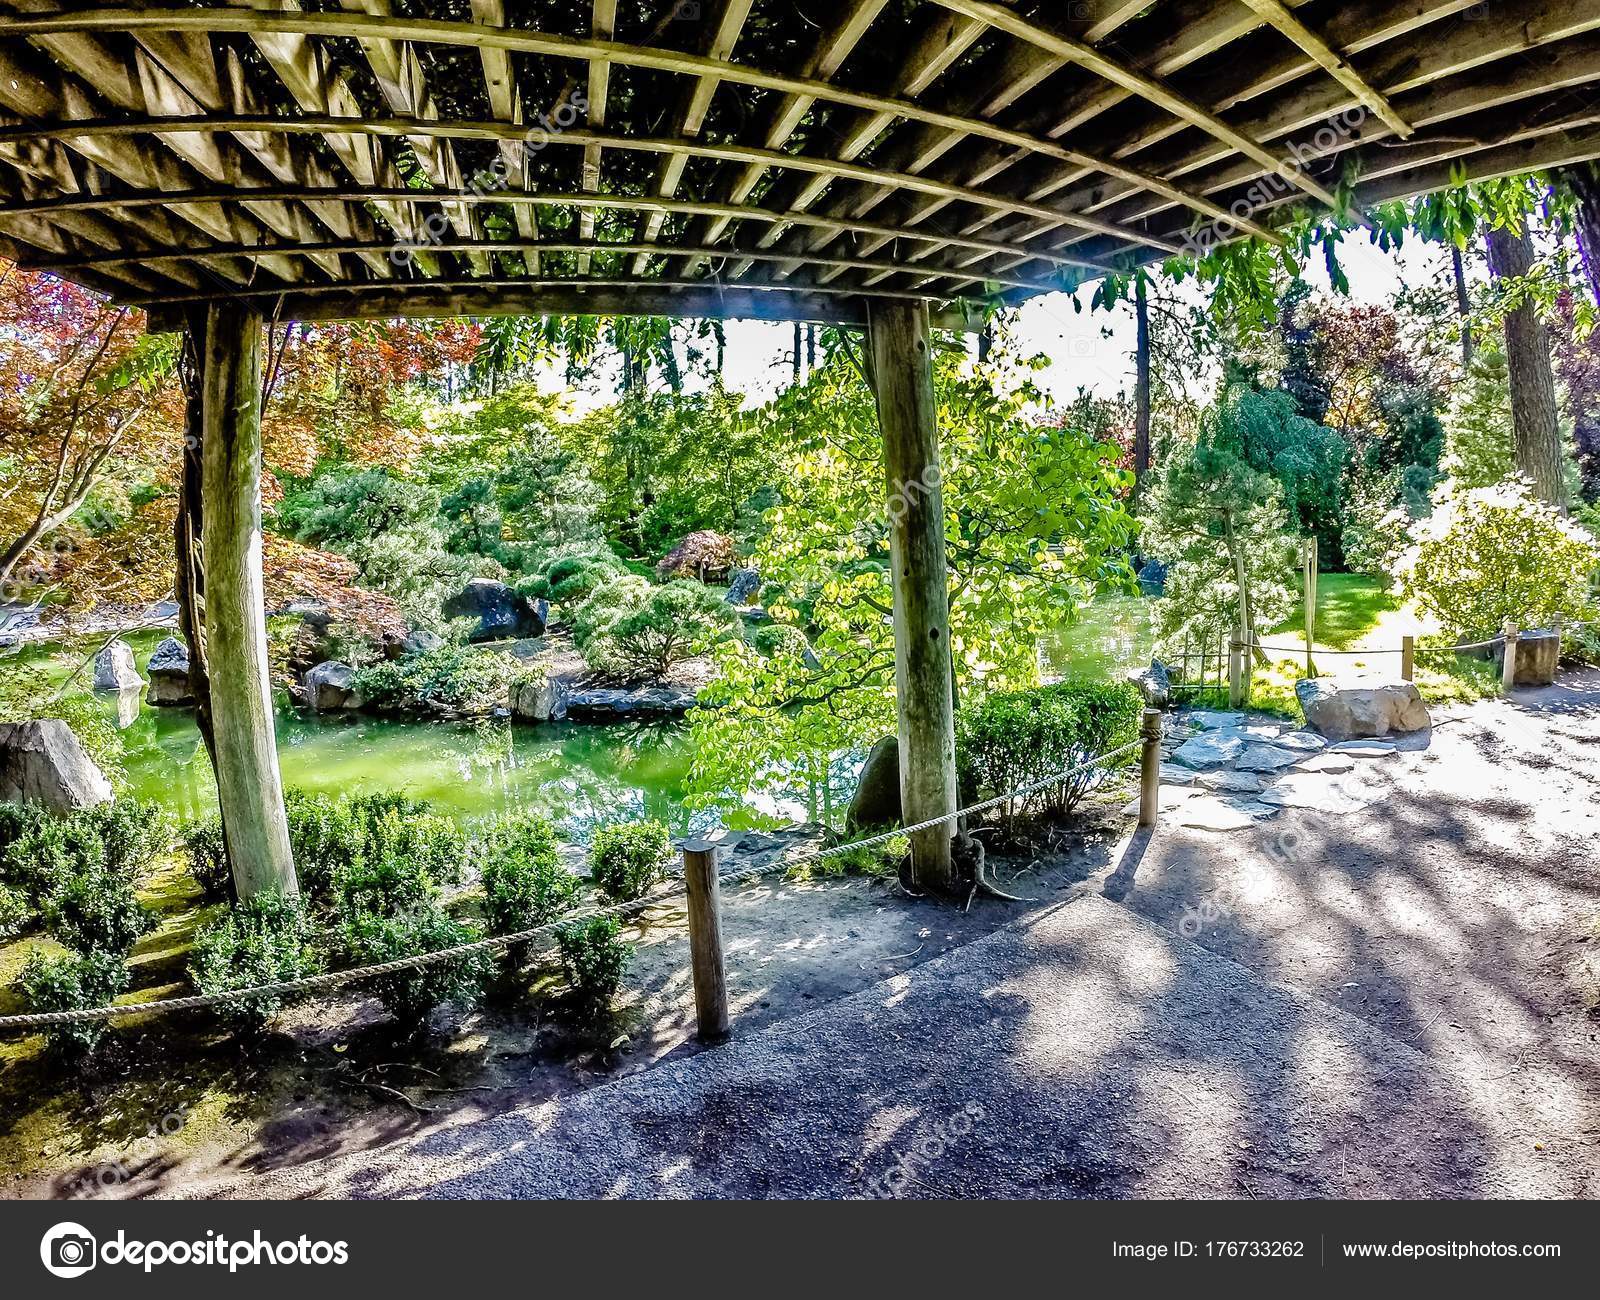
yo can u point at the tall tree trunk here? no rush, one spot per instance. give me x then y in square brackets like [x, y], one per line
[1533, 387]
[799, 343]
[1584, 182]
[1141, 383]
[1458, 267]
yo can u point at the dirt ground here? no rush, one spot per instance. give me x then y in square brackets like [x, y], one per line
[175, 1102]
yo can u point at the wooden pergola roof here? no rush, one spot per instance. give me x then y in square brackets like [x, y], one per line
[781, 159]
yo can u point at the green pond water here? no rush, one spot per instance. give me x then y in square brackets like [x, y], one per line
[580, 776]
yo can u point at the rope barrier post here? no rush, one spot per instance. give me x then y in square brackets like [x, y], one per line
[1508, 668]
[1408, 658]
[705, 939]
[1150, 768]
[1311, 603]
[1236, 674]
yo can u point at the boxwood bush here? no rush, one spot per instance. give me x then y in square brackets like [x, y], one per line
[411, 995]
[1014, 738]
[67, 984]
[263, 940]
[524, 882]
[206, 853]
[94, 910]
[594, 959]
[626, 860]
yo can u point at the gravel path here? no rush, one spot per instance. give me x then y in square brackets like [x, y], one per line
[1394, 998]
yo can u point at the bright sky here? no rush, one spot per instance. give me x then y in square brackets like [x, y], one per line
[1092, 349]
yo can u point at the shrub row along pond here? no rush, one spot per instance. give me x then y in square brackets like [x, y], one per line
[383, 877]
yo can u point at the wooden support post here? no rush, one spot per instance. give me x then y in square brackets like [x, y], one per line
[902, 370]
[1150, 769]
[1508, 666]
[1311, 604]
[1408, 658]
[249, 787]
[1238, 668]
[705, 939]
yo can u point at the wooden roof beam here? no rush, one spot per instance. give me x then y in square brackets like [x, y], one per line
[602, 28]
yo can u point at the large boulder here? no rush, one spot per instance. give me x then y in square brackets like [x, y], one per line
[1538, 657]
[1362, 707]
[114, 668]
[705, 555]
[331, 686]
[602, 704]
[42, 762]
[500, 611]
[1154, 683]
[538, 699]
[876, 802]
[169, 674]
[743, 587]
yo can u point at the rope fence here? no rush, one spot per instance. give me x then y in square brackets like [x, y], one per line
[622, 911]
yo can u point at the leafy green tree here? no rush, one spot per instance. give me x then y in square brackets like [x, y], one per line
[1219, 523]
[1034, 525]
[632, 629]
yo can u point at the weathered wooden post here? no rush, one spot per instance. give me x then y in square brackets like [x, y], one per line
[1150, 768]
[1311, 603]
[1238, 659]
[706, 959]
[249, 787]
[902, 369]
[1408, 658]
[1508, 667]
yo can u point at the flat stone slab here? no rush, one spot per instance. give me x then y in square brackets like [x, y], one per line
[1208, 813]
[1266, 758]
[1171, 796]
[1212, 719]
[1172, 774]
[1328, 764]
[1307, 741]
[1366, 748]
[1229, 782]
[1211, 750]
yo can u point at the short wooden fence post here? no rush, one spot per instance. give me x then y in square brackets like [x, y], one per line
[1238, 661]
[705, 939]
[1508, 668]
[1150, 769]
[1408, 658]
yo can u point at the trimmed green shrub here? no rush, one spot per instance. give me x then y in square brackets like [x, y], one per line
[1014, 738]
[626, 860]
[206, 853]
[17, 820]
[524, 883]
[412, 995]
[264, 940]
[329, 835]
[456, 680]
[382, 886]
[569, 580]
[96, 911]
[595, 959]
[52, 849]
[15, 914]
[66, 984]
[1488, 555]
[631, 629]
[133, 833]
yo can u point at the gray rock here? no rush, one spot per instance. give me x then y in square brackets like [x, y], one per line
[1210, 750]
[1172, 774]
[1328, 764]
[604, 703]
[129, 704]
[1154, 683]
[743, 588]
[539, 700]
[420, 641]
[1153, 579]
[1366, 706]
[500, 612]
[1538, 657]
[876, 802]
[42, 762]
[1266, 758]
[1171, 796]
[169, 674]
[331, 686]
[1208, 813]
[164, 609]
[1231, 782]
[1213, 720]
[1305, 741]
[114, 668]
[1364, 748]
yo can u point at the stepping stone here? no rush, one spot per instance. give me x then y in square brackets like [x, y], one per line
[1308, 741]
[1211, 750]
[1328, 764]
[1258, 809]
[1232, 782]
[1317, 791]
[1367, 748]
[1266, 758]
[1212, 719]
[1172, 774]
[1208, 813]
